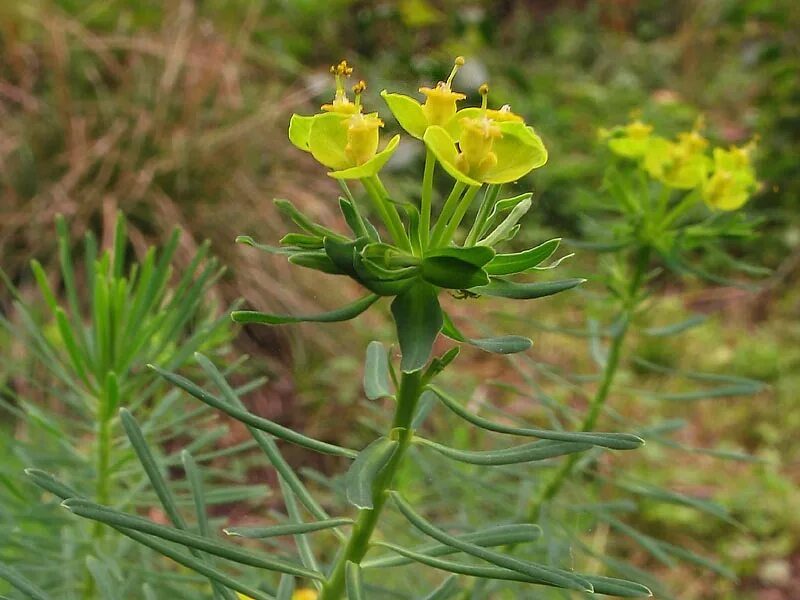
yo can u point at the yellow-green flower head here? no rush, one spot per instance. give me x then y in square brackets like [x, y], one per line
[682, 165]
[486, 146]
[439, 108]
[733, 180]
[348, 144]
[630, 141]
[362, 137]
[341, 103]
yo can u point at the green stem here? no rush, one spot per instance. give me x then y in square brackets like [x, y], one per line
[447, 211]
[102, 491]
[387, 211]
[609, 373]
[461, 210]
[689, 200]
[489, 199]
[426, 198]
[411, 385]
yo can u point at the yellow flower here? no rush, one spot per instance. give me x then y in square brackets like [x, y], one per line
[362, 137]
[682, 164]
[482, 145]
[733, 180]
[630, 141]
[439, 108]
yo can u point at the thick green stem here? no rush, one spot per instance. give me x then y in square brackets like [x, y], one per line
[609, 372]
[447, 211]
[426, 198]
[102, 491]
[411, 385]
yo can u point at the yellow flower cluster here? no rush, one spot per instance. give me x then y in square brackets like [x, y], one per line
[726, 179]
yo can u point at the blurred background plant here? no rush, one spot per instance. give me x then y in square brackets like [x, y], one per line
[69, 366]
[175, 113]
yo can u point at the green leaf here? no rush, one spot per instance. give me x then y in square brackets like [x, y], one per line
[372, 166]
[196, 484]
[452, 273]
[303, 222]
[533, 451]
[249, 241]
[365, 468]
[408, 112]
[526, 291]
[21, 583]
[540, 573]
[285, 588]
[356, 222]
[96, 512]
[506, 344]
[447, 589]
[288, 529]
[503, 205]
[616, 441]
[252, 420]
[299, 129]
[477, 256]
[345, 313]
[418, 318]
[342, 253]
[288, 477]
[319, 261]
[195, 564]
[676, 328]
[425, 404]
[104, 584]
[376, 372]
[499, 535]
[508, 264]
[617, 587]
[509, 226]
[47, 482]
[301, 241]
[354, 581]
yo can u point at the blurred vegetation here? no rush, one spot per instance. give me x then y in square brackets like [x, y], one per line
[175, 113]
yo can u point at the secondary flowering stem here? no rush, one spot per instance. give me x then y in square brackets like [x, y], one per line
[426, 198]
[609, 373]
[447, 211]
[387, 211]
[411, 385]
[461, 210]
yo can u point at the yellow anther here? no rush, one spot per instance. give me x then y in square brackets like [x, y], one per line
[359, 87]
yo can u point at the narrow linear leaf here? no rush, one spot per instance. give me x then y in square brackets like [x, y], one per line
[447, 589]
[288, 529]
[21, 583]
[285, 588]
[96, 512]
[252, 420]
[533, 451]
[508, 264]
[502, 288]
[354, 581]
[505, 344]
[194, 564]
[268, 445]
[499, 535]
[616, 441]
[345, 313]
[365, 468]
[541, 573]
